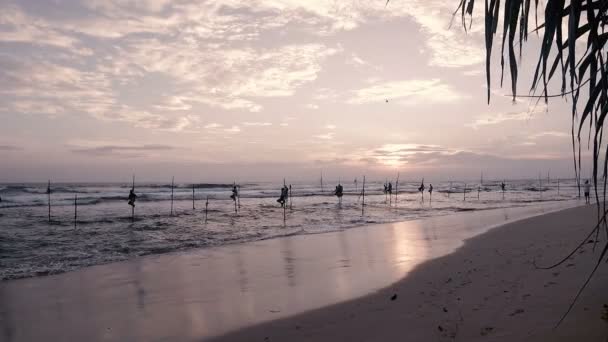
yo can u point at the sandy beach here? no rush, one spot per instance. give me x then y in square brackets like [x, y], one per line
[407, 281]
[488, 290]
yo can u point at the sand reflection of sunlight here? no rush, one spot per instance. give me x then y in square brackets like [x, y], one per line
[409, 246]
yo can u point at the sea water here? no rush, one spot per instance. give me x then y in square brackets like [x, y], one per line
[104, 231]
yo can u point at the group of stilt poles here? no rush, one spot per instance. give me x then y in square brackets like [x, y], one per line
[237, 203]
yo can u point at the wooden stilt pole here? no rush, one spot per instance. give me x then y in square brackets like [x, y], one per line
[558, 187]
[363, 192]
[172, 184]
[322, 181]
[540, 186]
[290, 196]
[75, 209]
[236, 210]
[285, 204]
[397, 188]
[133, 206]
[464, 192]
[422, 192]
[193, 197]
[48, 191]
[206, 208]
[385, 191]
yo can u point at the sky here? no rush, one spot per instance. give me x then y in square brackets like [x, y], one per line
[98, 90]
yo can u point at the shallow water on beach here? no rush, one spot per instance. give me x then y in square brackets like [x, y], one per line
[104, 232]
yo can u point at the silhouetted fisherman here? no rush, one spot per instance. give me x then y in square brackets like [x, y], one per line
[422, 187]
[390, 188]
[339, 191]
[431, 189]
[132, 197]
[503, 186]
[235, 193]
[284, 196]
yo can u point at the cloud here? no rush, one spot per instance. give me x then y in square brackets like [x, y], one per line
[121, 150]
[257, 124]
[326, 136]
[212, 125]
[407, 92]
[9, 148]
[551, 134]
[498, 118]
[233, 129]
[330, 126]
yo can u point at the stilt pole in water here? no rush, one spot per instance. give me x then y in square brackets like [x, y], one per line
[464, 192]
[385, 191]
[238, 198]
[206, 208]
[290, 202]
[192, 196]
[503, 190]
[422, 192]
[322, 181]
[75, 209]
[172, 184]
[558, 187]
[48, 191]
[363, 193]
[236, 210]
[540, 186]
[396, 188]
[133, 207]
[450, 191]
[284, 205]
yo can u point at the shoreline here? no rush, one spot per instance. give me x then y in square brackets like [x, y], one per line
[199, 294]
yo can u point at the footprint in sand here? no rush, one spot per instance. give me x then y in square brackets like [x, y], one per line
[486, 330]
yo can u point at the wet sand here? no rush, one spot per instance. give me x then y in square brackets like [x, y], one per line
[488, 290]
[328, 286]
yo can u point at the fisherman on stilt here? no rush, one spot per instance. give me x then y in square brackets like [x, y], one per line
[132, 197]
[235, 193]
[421, 189]
[284, 196]
[339, 192]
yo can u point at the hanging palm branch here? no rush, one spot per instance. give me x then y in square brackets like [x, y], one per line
[567, 25]
[573, 52]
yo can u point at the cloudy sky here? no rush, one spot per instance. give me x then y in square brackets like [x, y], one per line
[261, 89]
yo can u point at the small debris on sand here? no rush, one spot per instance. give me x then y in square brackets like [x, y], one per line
[517, 312]
[393, 297]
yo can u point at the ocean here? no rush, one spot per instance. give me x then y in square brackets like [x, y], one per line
[104, 232]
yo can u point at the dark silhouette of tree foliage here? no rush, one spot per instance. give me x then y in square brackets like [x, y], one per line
[569, 27]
